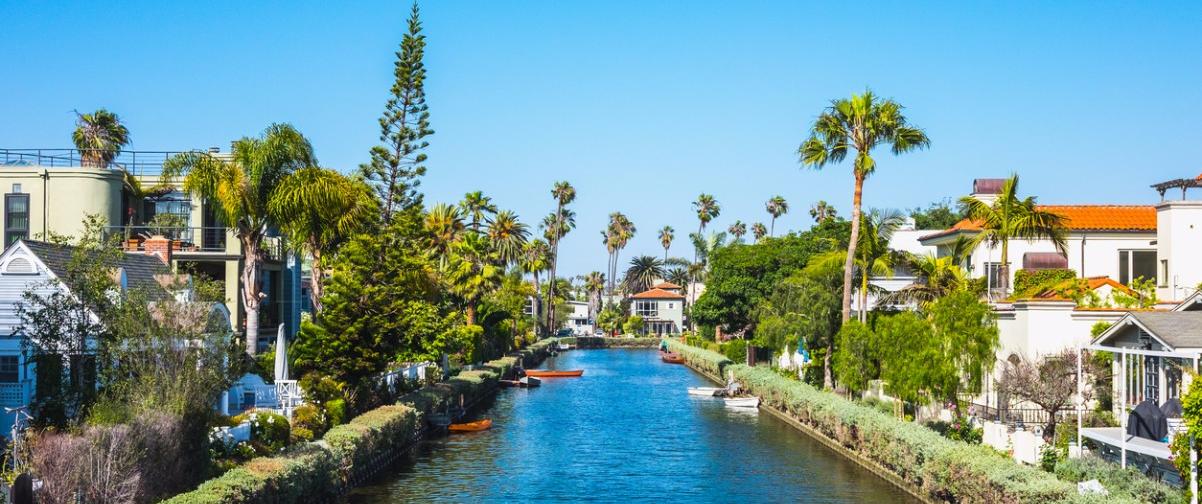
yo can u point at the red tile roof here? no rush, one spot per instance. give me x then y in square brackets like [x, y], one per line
[657, 294]
[1083, 218]
[1093, 283]
[667, 285]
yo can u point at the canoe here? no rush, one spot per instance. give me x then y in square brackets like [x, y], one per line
[549, 373]
[705, 391]
[671, 357]
[478, 425]
[742, 402]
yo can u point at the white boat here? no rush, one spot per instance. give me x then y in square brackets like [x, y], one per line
[705, 391]
[742, 402]
[565, 346]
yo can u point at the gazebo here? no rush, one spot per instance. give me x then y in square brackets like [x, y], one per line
[1151, 349]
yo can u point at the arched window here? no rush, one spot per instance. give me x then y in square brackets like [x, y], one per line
[20, 266]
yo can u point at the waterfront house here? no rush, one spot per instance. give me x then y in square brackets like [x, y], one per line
[578, 319]
[49, 192]
[662, 308]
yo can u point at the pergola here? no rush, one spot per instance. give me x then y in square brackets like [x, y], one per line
[1183, 184]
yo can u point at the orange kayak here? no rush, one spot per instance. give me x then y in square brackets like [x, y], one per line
[478, 425]
[547, 373]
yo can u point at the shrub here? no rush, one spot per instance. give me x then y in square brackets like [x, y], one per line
[310, 418]
[336, 411]
[266, 427]
[1029, 283]
[735, 350]
[1116, 479]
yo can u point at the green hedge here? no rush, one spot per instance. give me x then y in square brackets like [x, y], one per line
[604, 342]
[1029, 283]
[320, 471]
[945, 469]
[1117, 479]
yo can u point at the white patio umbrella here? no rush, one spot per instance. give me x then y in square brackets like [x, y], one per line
[281, 356]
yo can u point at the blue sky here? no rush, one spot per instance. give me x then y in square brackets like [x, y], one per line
[642, 105]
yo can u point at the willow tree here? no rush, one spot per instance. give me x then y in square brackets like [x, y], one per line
[241, 187]
[861, 123]
[1010, 217]
[318, 210]
[398, 162]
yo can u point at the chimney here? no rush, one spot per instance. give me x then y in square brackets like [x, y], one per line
[158, 246]
[986, 190]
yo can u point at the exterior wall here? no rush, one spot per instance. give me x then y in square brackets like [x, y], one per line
[59, 198]
[669, 311]
[578, 319]
[1179, 247]
[12, 287]
[1089, 254]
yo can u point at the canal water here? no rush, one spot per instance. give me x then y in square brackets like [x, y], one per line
[625, 431]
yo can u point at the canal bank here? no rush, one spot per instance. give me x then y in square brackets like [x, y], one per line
[625, 431]
[351, 453]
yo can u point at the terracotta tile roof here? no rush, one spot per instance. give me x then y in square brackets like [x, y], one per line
[667, 285]
[657, 294]
[1083, 218]
[1093, 283]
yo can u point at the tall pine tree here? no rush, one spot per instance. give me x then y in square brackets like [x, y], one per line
[396, 164]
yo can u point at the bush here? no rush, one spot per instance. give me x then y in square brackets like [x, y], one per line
[266, 427]
[336, 411]
[735, 350]
[310, 418]
[1116, 479]
[945, 469]
[1029, 283]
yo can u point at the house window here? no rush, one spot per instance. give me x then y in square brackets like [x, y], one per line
[8, 369]
[16, 218]
[993, 275]
[1152, 378]
[1136, 264]
[646, 309]
[1164, 272]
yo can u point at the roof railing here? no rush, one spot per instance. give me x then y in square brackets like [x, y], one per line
[137, 163]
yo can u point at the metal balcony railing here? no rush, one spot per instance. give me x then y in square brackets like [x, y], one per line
[136, 163]
[216, 240]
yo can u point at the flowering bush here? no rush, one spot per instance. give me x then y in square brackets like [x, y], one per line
[267, 428]
[309, 421]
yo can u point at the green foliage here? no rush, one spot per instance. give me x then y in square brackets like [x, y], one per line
[266, 427]
[741, 278]
[946, 470]
[939, 215]
[633, 325]
[1143, 294]
[311, 419]
[735, 350]
[856, 359]
[968, 331]
[1030, 283]
[610, 319]
[1118, 481]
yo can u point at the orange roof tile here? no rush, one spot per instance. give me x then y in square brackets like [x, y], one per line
[1084, 218]
[667, 285]
[1093, 283]
[657, 294]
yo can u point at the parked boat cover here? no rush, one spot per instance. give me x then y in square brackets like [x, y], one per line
[1171, 408]
[1146, 421]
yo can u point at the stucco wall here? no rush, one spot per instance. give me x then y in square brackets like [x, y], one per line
[1179, 241]
[1098, 252]
[69, 195]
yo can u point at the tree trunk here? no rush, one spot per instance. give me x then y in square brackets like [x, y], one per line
[1005, 268]
[849, 263]
[538, 314]
[250, 290]
[470, 311]
[864, 297]
[316, 272]
[772, 227]
[827, 381]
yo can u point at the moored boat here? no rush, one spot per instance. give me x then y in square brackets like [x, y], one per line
[742, 402]
[705, 391]
[671, 357]
[529, 382]
[478, 425]
[551, 373]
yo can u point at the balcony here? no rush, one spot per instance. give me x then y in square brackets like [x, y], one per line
[188, 241]
[137, 163]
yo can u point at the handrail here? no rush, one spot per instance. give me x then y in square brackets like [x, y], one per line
[187, 239]
[136, 163]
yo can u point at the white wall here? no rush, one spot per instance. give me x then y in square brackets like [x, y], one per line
[1089, 254]
[1179, 242]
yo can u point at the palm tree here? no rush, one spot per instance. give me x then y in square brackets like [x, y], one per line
[617, 235]
[241, 185]
[666, 235]
[536, 254]
[759, 231]
[875, 258]
[1010, 217]
[677, 274]
[594, 283]
[444, 223]
[776, 207]
[738, 229]
[707, 209]
[473, 272]
[643, 272]
[318, 209]
[99, 137]
[477, 207]
[822, 211]
[861, 123]
[564, 193]
[508, 235]
[936, 277]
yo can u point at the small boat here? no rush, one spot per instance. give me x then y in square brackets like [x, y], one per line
[550, 373]
[529, 382]
[565, 346]
[478, 425]
[705, 391]
[671, 357]
[742, 402]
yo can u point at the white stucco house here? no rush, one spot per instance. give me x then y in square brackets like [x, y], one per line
[662, 308]
[578, 319]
